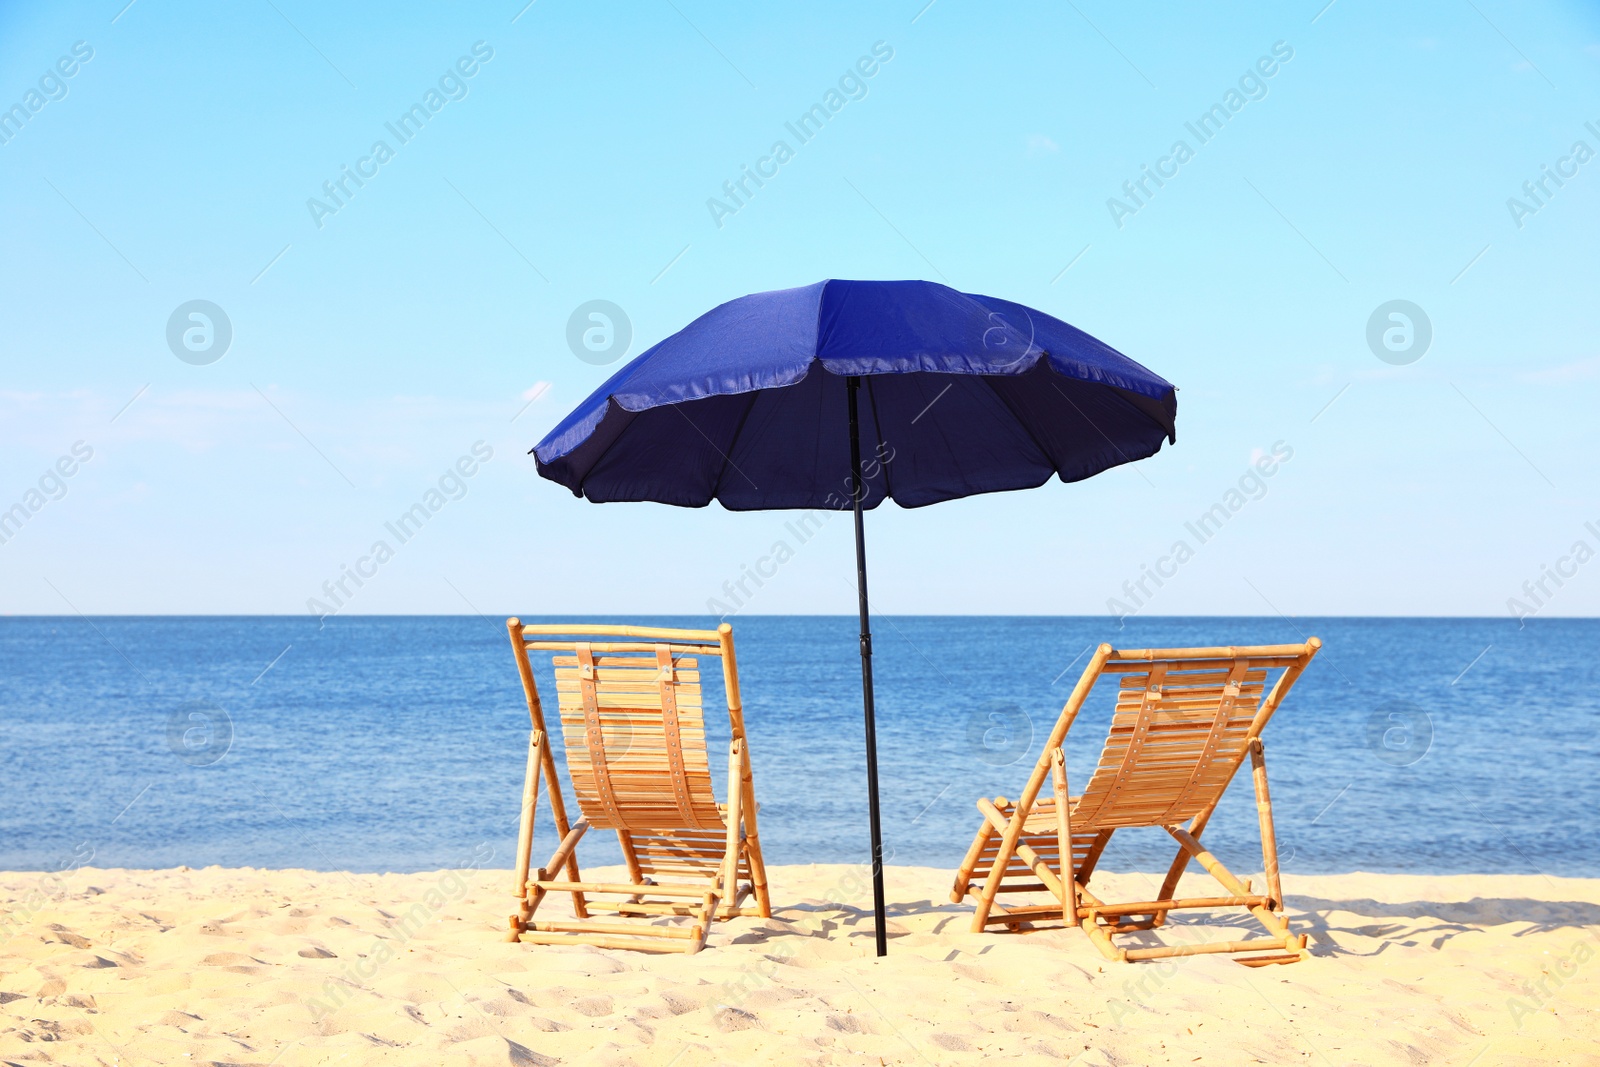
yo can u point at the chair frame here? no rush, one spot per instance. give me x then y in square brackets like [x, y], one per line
[719, 896]
[1003, 836]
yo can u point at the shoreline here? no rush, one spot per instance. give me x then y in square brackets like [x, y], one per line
[290, 967]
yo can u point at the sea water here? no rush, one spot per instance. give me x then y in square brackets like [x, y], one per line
[399, 743]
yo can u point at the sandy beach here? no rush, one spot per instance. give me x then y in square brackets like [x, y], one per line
[294, 967]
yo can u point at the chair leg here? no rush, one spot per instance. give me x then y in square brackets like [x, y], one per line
[1180, 863]
[1240, 895]
[530, 803]
[1090, 924]
[1274, 923]
[1070, 890]
[728, 875]
[752, 837]
[558, 859]
[725, 886]
[1269, 835]
[630, 857]
[991, 884]
[702, 921]
[958, 892]
[1092, 857]
[1069, 870]
[1269, 846]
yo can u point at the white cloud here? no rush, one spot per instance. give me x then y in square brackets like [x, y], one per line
[1583, 370]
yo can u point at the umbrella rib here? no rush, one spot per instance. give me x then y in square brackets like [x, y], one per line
[1043, 451]
[733, 441]
[1101, 432]
[582, 487]
[727, 459]
[877, 424]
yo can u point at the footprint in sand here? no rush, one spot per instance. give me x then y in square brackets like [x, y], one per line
[729, 1020]
[679, 1003]
[772, 996]
[549, 1026]
[67, 937]
[522, 1056]
[594, 1007]
[233, 961]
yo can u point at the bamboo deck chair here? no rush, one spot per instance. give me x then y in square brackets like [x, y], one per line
[635, 740]
[1185, 721]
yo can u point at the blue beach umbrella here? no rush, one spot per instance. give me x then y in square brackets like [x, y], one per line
[764, 403]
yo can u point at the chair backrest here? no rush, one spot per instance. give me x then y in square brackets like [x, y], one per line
[632, 720]
[1181, 727]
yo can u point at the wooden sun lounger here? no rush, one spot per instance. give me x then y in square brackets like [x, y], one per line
[1185, 721]
[629, 702]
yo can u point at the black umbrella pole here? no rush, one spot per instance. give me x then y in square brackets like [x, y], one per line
[857, 492]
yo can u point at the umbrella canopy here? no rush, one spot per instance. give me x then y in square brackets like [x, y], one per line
[763, 402]
[968, 394]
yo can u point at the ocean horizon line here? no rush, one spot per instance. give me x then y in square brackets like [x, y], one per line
[1148, 617]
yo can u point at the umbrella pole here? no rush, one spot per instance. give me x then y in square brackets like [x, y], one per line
[857, 491]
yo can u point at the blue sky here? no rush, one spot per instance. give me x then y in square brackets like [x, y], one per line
[370, 353]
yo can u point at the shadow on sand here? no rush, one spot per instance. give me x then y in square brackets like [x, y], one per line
[1332, 931]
